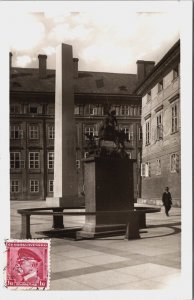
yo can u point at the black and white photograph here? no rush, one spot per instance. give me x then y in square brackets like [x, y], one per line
[96, 158]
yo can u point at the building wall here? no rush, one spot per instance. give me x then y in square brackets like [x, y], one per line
[43, 143]
[162, 155]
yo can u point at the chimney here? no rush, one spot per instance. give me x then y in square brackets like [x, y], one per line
[144, 67]
[42, 65]
[10, 60]
[75, 68]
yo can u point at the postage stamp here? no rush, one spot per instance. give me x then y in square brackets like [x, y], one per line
[28, 264]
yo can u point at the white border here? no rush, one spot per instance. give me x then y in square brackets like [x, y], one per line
[11, 7]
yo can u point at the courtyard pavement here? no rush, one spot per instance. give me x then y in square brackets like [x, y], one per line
[150, 263]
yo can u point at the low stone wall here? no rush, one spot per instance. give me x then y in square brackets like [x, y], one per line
[158, 202]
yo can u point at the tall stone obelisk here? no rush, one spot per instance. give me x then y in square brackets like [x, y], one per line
[65, 175]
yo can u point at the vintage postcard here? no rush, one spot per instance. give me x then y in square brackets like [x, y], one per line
[96, 149]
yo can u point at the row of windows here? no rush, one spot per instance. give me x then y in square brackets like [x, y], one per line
[156, 168]
[159, 125]
[160, 85]
[34, 160]
[34, 186]
[17, 133]
[89, 109]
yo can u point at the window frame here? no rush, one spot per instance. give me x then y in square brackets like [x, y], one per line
[140, 133]
[51, 132]
[174, 163]
[50, 160]
[148, 132]
[159, 133]
[160, 86]
[14, 188]
[15, 162]
[34, 163]
[51, 186]
[34, 183]
[146, 169]
[174, 118]
[78, 163]
[33, 131]
[149, 96]
[15, 109]
[94, 132]
[31, 107]
[14, 131]
[158, 167]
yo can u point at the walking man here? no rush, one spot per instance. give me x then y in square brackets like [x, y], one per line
[167, 200]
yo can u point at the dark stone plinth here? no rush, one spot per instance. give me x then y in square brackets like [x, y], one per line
[132, 231]
[108, 187]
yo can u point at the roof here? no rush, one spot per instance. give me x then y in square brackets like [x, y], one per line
[27, 79]
[140, 87]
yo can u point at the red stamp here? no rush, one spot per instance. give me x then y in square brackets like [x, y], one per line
[28, 264]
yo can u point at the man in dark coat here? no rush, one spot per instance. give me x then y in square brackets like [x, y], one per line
[167, 200]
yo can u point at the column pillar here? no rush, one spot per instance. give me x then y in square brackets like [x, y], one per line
[65, 175]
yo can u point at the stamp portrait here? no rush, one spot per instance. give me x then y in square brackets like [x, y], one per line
[27, 264]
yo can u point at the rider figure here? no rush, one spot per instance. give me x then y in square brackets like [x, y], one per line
[111, 119]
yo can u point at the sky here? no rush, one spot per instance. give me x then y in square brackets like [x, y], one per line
[103, 40]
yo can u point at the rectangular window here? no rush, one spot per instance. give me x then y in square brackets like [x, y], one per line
[50, 160]
[15, 109]
[174, 118]
[51, 132]
[149, 96]
[126, 131]
[15, 160]
[148, 133]
[51, 186]
[158, 167]
[146, 169]
[135, 111]
[77, 110]
[159, 132]
[89, 130]
[15, 132]
[33, 109]
[50, 109]
[14, 186]
[34, 160]
[174, 163]
[117, 108]
[78, 163]
[93, 110]
[34, 186]
[33, 132]
[129, 132]
[140, 133]
[139, 110]
[86, 154]
[160, 86]
[127, 110]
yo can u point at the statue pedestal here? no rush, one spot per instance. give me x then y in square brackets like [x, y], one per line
[108, 187]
